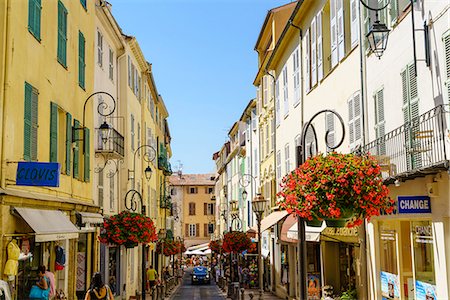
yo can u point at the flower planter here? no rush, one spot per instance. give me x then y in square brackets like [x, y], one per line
[130, 245]
[336, 223]
[314, 223]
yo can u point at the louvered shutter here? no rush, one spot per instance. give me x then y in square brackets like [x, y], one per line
[393, 11]
[340, 29]
[414, 95]
[27, 122]
[308, 61]
[87, 155]
[351, 123]
[81, 60]
[53, 132]
[34, 124]
[379, 121]
[62, 33]
[357, 118]
[330, 130]
[405, 98]
[34, 18]
[68, 142]
[319, 46]
[83, 3]
[129, 71]
[333, 33]
[354, 24]
[205, 230]
[285, 92]
[100, 188]
[277, 101]
[205, 209]
[313, 53]
[76, 150]
[186, 230]
[197, 230]
[446, 42]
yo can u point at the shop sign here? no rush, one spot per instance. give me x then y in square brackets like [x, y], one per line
[414, 205]
[425, 291]
[38, 174]
[341, 231]
[390, 286]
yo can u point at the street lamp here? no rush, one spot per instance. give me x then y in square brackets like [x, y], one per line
[148, 157]
[301, 158]
[131, 204]
[259, 205]
[378, 33]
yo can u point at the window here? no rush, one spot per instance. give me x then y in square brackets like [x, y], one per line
[62, 34]
[76, 149]
[273, 134]
[111, 193]
[139, 136]
[129, 71]
[192, 209]
[100, 49]
[354, 24]
[210, 228]
[265, 88]
[81, 61]
[192, 230]
[100, 188]
[337, 31]
[307, 61]
[298, 139]
[34, 18]
[111, 64]
[209, 190]
[354, 120]
[379, 121]
[313, 59]
[329, 126]
[173, 191]
[319, 45]
[277, 101]
[254, 120]
[446, 42]
[60, 143]
[285, 92]
[278, 164]
[267, 140]
[296, 79]
[83, 3]
[193, 190]
[287, 165]
[30, 136]
[132, 131]
[208, 209]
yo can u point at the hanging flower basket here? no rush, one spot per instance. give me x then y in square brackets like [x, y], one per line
[128, 229]
[215, 246]
[236, 242]
[334, 187]
[170, 247]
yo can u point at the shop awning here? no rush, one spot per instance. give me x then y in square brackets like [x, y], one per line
[312, 234]
[271, 220]
[89, 218]
[49, 225]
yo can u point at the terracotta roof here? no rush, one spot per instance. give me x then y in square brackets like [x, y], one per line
[192, 179]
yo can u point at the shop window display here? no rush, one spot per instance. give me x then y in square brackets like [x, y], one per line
[284, 266]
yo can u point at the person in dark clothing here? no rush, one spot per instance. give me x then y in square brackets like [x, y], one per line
[98, 290]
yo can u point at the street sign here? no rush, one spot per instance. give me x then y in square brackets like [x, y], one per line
[38, 174]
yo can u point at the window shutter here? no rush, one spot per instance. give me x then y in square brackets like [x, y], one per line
[205, 230]
[265, 90]
[446, 42]
[83, 3]
[34, 124]
[357, 118]
[53, 132]
[414, 95]
[62, 34]
[313, 53]
[333, 33]
[285, 92]
[186, 230]
[100, 188]
[308, 61]
[354, 24]
[379, 119]
[129, 71]
[197, 230]
[27, 122]
[351, 125]
[340, 28]
[76, 157]
[193, 209]
[330, 130]
[34, 18]
[81, 60]
[393, 11]
[277, 101]
[68, 142]
[205, 209]
[319, 46]
[87, 155]
[405, 93]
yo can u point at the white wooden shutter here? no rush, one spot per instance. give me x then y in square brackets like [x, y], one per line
[330, 130]
[446, 43]
[265, 90]
[285, 92]
[340, 28]
[277, 101]
[319, 46]
[357, 118]
[296, 72]
[379, 120]
[413, 93]
[313, 53]
[354, 24]
[307, 62]
[333, 33]
[351, 125]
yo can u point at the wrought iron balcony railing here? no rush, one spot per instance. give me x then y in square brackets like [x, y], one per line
[165, 203]
[164, 165]
[416, 148]
[114, 144]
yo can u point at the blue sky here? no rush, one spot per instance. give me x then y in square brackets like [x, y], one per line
[204, 65]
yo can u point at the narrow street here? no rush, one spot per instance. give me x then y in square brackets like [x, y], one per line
[193, 292]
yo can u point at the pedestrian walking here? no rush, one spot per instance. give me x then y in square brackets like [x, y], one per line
[152, 276]
[99, 290]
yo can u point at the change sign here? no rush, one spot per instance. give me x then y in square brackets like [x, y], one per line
[414, 205]
[38, 174]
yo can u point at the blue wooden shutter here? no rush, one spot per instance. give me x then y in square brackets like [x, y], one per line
[27, 122]
[87, 156]
[76, 150]
[83, 3]
[68, 142]
[34, 18]
[62, 34]
[34, 123]
[81, 61]
[53, 132]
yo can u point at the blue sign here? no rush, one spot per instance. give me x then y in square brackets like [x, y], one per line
[414, 205]
[38, 174]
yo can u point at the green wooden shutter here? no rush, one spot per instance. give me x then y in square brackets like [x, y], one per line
[34, 124]
[81, 60]
[87, 156]
[53, 132]
[379, 121]
[62, 34]
[34, 18]
[76, 150]
[68, 142]
[27, 122]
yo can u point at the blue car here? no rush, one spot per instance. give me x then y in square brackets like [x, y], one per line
[200, 275]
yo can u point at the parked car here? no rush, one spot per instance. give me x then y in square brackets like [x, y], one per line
[200, 275]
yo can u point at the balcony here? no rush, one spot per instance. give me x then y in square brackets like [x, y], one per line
[416, 148]
[164, 165]
[114, 146]
[165, 203]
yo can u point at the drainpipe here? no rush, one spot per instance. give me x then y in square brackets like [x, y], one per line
[4, 87]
